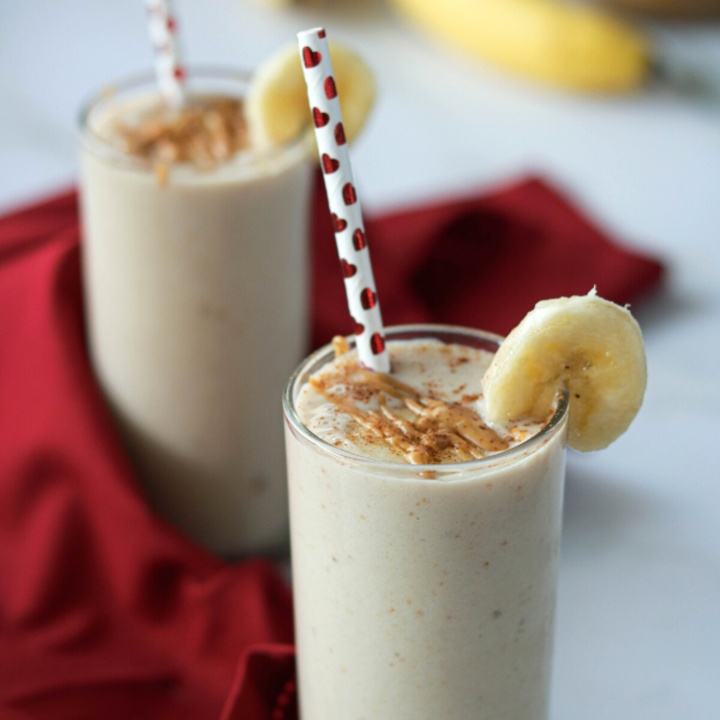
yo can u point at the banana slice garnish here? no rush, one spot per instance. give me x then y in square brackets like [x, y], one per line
[589, 345]
[276, 106]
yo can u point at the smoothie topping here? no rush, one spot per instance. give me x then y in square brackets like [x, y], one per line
[205, 132]
[424, 429]
[340, 345]
[589, 346]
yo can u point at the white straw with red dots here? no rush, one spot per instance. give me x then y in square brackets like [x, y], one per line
[168, 65]
[343, 201]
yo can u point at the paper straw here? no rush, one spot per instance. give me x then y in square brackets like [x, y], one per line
[168, 65]
[343, 201]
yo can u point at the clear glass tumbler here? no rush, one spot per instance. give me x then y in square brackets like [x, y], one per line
[196, 292]
[424, 592]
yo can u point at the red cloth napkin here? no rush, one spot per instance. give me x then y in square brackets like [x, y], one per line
[107, 612]
[480, 261]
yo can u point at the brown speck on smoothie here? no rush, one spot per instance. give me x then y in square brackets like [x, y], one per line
[409, 602]
[420, 613]
[503, 543]
[363, 517]
[459, 389]
[496, 614]
[411, 514]
[162, 173]
[465, 399]
[487, 564]
[334, 559]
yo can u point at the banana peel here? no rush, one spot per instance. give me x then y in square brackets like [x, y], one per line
[570, 46]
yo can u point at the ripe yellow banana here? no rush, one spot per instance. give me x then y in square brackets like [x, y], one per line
[568, 45]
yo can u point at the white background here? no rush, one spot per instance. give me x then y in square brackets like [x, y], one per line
[638, 632]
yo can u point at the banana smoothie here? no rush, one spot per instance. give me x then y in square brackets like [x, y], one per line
[426, 509]
[196, 281]
[425, 543]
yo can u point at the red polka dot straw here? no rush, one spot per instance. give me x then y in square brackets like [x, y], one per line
[343, 200]
[169, 69]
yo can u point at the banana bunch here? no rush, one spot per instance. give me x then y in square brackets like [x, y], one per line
[697, 9]
[554, 41]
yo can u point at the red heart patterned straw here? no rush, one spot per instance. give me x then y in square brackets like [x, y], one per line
[168, 66]
[343, 201]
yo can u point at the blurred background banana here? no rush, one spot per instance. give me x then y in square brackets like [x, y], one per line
[563, 44]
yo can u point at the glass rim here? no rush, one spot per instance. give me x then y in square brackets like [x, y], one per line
[327, 352]
[147, 78]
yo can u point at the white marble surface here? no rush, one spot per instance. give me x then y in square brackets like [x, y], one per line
[639, 611]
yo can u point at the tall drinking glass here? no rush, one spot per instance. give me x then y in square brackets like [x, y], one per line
[424, 592]
[196, 292]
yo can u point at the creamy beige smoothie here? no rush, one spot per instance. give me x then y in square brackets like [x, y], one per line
[195, 264]
[422, 591]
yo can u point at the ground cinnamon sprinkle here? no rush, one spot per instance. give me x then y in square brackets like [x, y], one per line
[207, 131]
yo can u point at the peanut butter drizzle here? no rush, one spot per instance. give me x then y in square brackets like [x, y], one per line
[340, 345]
[438, 425]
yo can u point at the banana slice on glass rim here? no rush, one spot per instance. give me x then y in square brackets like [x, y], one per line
[276, 105]
[589, 345]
